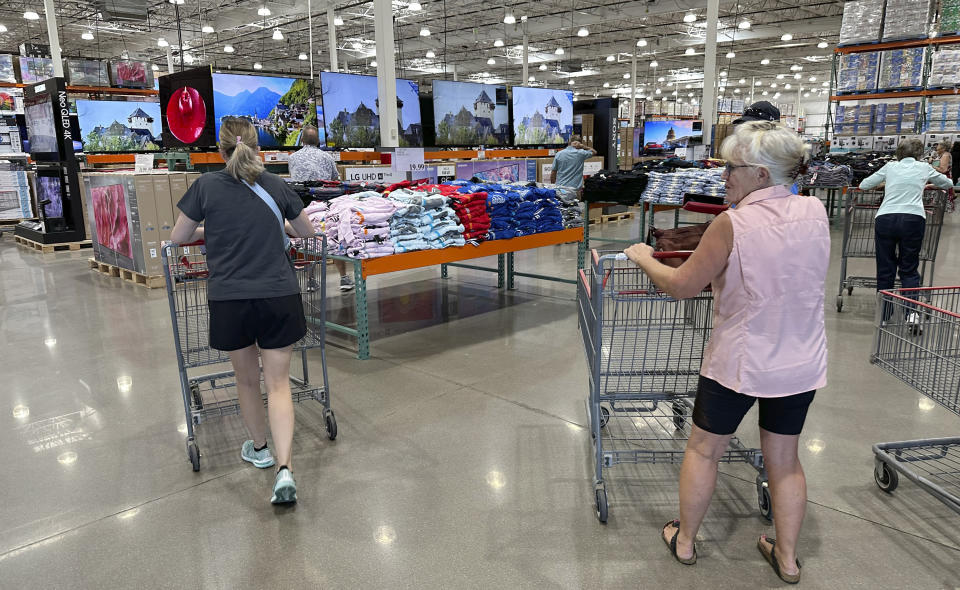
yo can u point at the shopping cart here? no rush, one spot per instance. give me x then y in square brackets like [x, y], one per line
[927, 359]
[644, 351]
[212, 393]
[860, 209]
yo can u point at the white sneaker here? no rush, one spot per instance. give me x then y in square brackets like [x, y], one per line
[262, 458]
[284, 488]
[913, 323]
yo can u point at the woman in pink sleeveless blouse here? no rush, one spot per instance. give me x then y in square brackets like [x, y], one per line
[766, 261]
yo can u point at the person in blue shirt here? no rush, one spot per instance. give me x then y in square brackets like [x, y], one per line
[901, 221]
[568, 164]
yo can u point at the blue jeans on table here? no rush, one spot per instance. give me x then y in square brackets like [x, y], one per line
[898, 239]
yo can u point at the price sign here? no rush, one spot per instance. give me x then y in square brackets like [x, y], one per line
[143, 163]
[408, 160]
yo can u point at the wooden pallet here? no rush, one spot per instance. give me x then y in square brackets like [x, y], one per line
[48, 248]
[612, 217]
[150, 282]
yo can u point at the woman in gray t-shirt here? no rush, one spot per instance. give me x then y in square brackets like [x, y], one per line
[256, 314]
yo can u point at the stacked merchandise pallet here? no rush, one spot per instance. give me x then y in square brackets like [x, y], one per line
[15, 202]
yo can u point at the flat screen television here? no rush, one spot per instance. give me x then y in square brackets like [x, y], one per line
[668, 135]
[321, 126]
[131, 74]
[41, 129]
[352, 114]
[119, 125]
[470, 114]
[277, 107]
[542, 116]
[35, 69]
[7, 71]
[87, 72]
[49, 190]
[187, 110]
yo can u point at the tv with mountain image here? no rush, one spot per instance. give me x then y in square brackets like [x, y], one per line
[351, 109]
[119, 125]
[470, 114]
[542, 116]
[278, 107]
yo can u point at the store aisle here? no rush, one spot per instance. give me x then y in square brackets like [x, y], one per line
[462, 462]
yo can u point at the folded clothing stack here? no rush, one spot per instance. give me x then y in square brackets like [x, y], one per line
[545, 216]
[826, 174]
[669, 188]
[423, 221]
[502, 208]
[359, 225]
[471, 209]
[614, 186]
[570, 207]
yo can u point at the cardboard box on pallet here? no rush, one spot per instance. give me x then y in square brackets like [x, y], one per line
[149, 225]
[179, 183]
[161, 195]
[123, 230]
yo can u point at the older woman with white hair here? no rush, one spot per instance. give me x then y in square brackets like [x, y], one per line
[766, 261]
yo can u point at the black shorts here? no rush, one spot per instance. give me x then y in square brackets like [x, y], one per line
[719, 410]
[273, 322]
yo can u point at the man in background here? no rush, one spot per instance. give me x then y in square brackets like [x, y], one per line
[568, 164]
[311, 163]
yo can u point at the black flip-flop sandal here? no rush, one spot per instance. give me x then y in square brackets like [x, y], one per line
[672, 544]
[774, 563]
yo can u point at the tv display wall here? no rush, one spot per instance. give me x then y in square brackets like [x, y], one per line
[470, 114]
[542, 116]
[277, 107]
[352, 113]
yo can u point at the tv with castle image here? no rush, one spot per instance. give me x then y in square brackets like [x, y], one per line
[470, 114]
[351, 110]
[278, 107]
[542, 116]
[119, 125]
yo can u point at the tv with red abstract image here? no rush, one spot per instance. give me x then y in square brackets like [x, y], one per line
[186, 109]
[109, 207]
[131, 74]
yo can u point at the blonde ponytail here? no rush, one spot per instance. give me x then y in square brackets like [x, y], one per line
[238, 142]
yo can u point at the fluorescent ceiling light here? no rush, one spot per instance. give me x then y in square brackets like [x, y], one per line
[491, 62]
[757, 83]
[795, 68]
[764, 62]
[773, 85]
[765, 93]
[87, 36]
[606, 84]
[424, 32]
[825, 84]
[690, 51]
[498, 43]
[731, 55]
[543, 67]
[690, 18]
[626, 76]
[570, 82]
[797, 76]
[303, 57]
[188, 58]
[823, 45]
[642, 43]
[806, 95]
[611, 58]
[787, 86]
[786, 37]
[161, 42]
[559, 51]
[742, 81]
[431, 54]
[337, 21]
[207, 29]
[744, 24]
[531, 79]
[263, 11]
[658, 91]
[654, 64]
[415, 6]
[277, 35]
[155, 68]
[31, 15]
[812, 78]
[661, 79]
[257, 66]
[781, 76]
[3, 29]
[373, 64]
[509, 19]
[583, 32]
[723, 74]
[736, 91]
[228, 48]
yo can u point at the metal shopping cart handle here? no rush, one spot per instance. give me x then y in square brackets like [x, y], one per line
[684, 254]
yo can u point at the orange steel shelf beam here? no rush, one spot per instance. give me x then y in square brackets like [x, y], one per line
[423, 258]
[898, 45]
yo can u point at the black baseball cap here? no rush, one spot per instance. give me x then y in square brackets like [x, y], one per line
[759, 111]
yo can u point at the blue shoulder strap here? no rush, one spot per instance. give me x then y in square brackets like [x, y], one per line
[266, 198]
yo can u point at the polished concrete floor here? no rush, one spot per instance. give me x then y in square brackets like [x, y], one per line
[463, 459]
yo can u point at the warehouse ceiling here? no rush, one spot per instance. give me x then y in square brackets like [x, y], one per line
[597, 39]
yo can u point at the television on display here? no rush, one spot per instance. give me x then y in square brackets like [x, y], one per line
[470, 114]
[187, 109]
[131, 74]
[35, 69]
[667, 135]
[351, 111]
[11, 101]
[87, 72]
[321, 126]
[119, 125]
[7, 71]
[542, 116]
[41, 129]
[108, 205]
[277, 107]
[48, 187]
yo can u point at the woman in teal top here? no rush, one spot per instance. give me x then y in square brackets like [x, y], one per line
[901, 221]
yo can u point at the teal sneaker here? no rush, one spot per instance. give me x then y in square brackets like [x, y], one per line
[261, 459]
[284, 488]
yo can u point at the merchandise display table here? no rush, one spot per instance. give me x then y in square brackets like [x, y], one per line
[503, 249]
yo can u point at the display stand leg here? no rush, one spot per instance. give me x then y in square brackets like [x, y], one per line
[500, 271]
[643, 221]
[510, 279]
[360, 298]
[444, 273]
